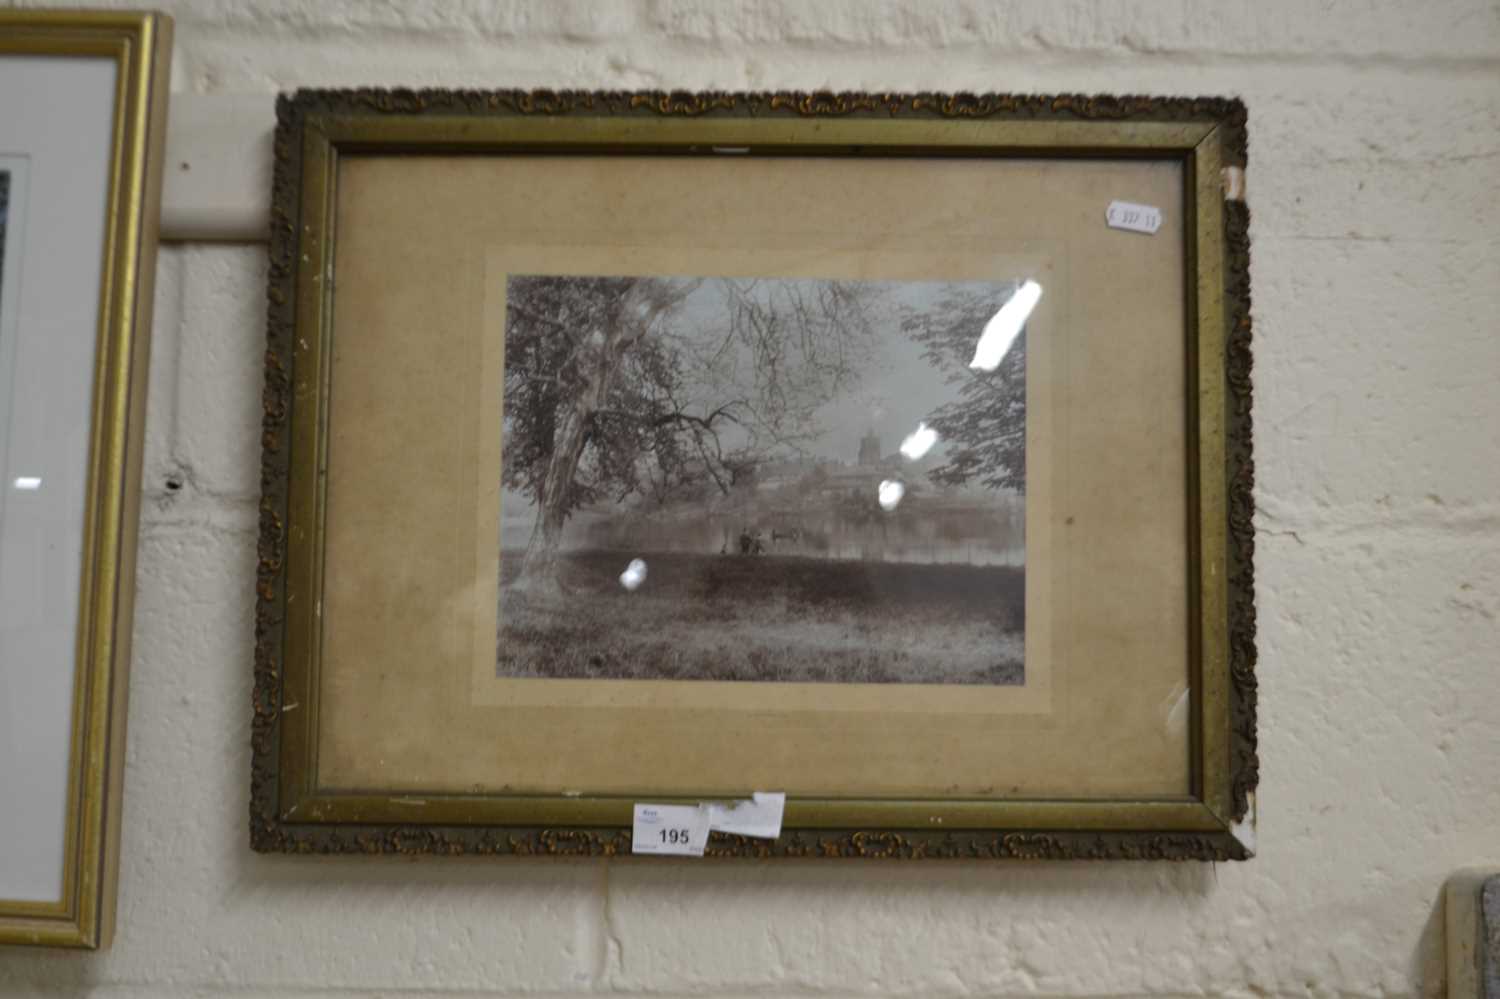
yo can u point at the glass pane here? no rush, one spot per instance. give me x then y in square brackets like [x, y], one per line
[55, 133]
[1003, 614]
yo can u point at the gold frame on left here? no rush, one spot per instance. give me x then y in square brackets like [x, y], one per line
[140, 46]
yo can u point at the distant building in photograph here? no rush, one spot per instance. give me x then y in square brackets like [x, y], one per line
[824, 508]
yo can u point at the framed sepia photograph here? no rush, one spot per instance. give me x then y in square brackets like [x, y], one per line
[744, 434]
[82, 121]
[890, 452]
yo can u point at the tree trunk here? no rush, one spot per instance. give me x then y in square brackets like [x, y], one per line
[539, 565]
[638, 310]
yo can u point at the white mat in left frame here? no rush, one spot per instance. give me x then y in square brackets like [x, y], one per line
[52, 279]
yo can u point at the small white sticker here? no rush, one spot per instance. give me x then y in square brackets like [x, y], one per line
[1133, 217]
[680, 830]
[759, 817]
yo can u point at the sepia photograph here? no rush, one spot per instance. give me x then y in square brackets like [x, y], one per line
[752, 479]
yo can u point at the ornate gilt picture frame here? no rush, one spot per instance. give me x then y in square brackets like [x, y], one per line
[83, 104]
[581, 485]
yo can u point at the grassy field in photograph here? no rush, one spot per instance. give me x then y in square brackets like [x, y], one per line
[768, 618]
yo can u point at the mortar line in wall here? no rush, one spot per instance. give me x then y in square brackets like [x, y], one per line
[228, 498]
[197, 989]
[1116, 58]
[710, 48]
[160, 513]
[172, 364]
[610, 953]
[1345, 524]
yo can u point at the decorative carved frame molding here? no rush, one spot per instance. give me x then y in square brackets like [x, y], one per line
[278, 797]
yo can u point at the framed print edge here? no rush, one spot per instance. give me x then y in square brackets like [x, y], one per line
[1244, 763]
[289, 813]
[140, 45]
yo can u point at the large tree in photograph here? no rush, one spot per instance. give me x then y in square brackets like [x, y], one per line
[621, 387]
[985, 427]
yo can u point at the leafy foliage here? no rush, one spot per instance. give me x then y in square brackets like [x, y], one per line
[666, 388]
[985, 428]
[559, 335]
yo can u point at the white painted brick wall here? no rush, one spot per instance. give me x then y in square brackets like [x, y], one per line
[1375, 185]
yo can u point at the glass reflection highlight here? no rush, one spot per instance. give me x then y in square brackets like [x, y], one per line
[919, 442]
[28, 483]
[890, 494]
[634, 574]
[1004, 326]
